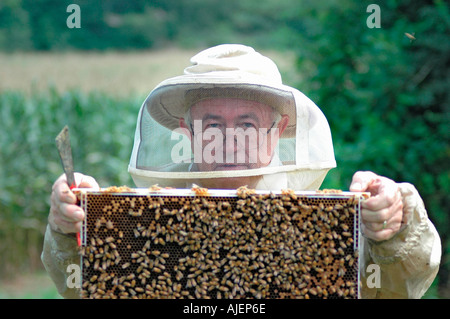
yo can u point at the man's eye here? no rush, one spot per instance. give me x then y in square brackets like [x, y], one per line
[212, 125]
[247, 125]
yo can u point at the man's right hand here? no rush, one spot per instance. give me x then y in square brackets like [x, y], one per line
[65, 216]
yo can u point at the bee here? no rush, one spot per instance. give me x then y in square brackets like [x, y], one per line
[154, 188]
[347, 234]
[313, 291]
[135, 255]
[98, 224]
[351, 262]
[139, 289]
[199, 191]
[332, 289]
[410, 36]
[109, 239]
[109, 224]
[157, 270]
[352, 291]
[135, 213]
[156, 252]
[237, 215]
[244, 192]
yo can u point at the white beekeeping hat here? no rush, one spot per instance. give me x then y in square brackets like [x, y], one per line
[163, 155]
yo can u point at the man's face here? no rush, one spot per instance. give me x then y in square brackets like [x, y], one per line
[233, 134]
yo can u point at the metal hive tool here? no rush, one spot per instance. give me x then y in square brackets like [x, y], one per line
[182, 243]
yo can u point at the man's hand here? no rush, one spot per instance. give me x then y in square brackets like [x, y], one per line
[382, 213]
[65, 216]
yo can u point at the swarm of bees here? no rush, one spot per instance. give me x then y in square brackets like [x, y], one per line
[250, 245]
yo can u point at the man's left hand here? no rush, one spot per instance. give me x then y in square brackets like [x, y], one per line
[382, 213]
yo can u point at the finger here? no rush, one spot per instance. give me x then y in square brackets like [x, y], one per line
[380, 235]
[64, 226]
[377, 226]
[61, 191]
[378, 229]
[386, 194]
[378, 216]
[66, 218]
[70, 213]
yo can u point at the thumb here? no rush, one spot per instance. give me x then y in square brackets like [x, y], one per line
[85, 181]
[362, 180]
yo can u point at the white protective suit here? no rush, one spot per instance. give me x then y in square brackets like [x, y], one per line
[408, 262]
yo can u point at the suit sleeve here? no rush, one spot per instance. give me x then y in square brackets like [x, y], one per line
[60, 251]
[408, 263]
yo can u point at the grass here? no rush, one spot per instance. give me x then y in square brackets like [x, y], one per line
[36, 285]
[112, 72]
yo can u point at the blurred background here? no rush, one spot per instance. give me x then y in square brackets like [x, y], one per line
[384, 92]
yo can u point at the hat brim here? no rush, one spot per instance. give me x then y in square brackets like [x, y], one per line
[170, 100]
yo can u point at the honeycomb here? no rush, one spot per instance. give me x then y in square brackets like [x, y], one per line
[219, 244]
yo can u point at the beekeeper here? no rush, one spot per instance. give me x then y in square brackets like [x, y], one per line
[228, 121]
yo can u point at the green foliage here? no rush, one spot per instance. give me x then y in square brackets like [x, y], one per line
[101, 145]
[142, 24]
[385, 96]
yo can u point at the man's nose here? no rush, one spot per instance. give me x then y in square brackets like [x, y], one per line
[230, 142]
